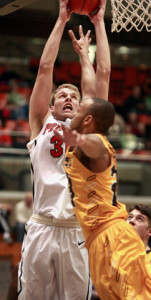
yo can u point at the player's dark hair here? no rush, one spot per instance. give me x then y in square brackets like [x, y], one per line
[144, 209]
[103, 113]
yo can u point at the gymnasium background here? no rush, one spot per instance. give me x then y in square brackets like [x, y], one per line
[23, 34]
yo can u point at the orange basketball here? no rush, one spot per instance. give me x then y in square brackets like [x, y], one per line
[83, 7]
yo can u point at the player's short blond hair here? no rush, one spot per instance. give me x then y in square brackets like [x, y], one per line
[68, 86]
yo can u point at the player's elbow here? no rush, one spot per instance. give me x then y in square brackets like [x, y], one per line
[45, 66]
[104, 70]
[103, 75]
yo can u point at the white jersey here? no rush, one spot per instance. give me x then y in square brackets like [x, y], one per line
[54, 263]
[50, 183]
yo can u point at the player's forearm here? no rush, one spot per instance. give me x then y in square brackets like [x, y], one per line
[52, 46]
[103, 50]
[90, 144]
[87, 77]
[103, 61]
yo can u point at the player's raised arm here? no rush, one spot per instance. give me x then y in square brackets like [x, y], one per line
[81, 46]
[102, 54]
[90, 144]
[40, 98]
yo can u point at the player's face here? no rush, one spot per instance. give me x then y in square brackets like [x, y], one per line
[66, 103]
[80, 114]
[140, 223]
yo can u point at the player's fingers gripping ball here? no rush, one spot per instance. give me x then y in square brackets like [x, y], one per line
[83, 7]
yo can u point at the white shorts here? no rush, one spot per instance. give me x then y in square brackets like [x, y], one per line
[54, 264]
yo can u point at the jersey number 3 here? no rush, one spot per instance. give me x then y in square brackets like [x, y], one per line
[58, 148]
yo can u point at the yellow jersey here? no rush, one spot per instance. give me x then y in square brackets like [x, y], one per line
[149, 254]
[94, 194]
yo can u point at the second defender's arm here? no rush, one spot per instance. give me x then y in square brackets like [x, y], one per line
[90, 144]
[81, 46]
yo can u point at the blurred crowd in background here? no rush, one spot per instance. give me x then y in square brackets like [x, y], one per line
[132, 126]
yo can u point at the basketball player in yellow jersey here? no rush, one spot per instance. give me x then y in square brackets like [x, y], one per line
[139, 217]
[119, 265]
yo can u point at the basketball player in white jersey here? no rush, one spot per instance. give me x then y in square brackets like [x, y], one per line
[54, 263]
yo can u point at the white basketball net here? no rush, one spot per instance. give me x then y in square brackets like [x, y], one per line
[127, 14]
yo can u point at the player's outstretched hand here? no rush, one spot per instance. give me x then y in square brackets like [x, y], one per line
[82, 44]
[69, 136]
